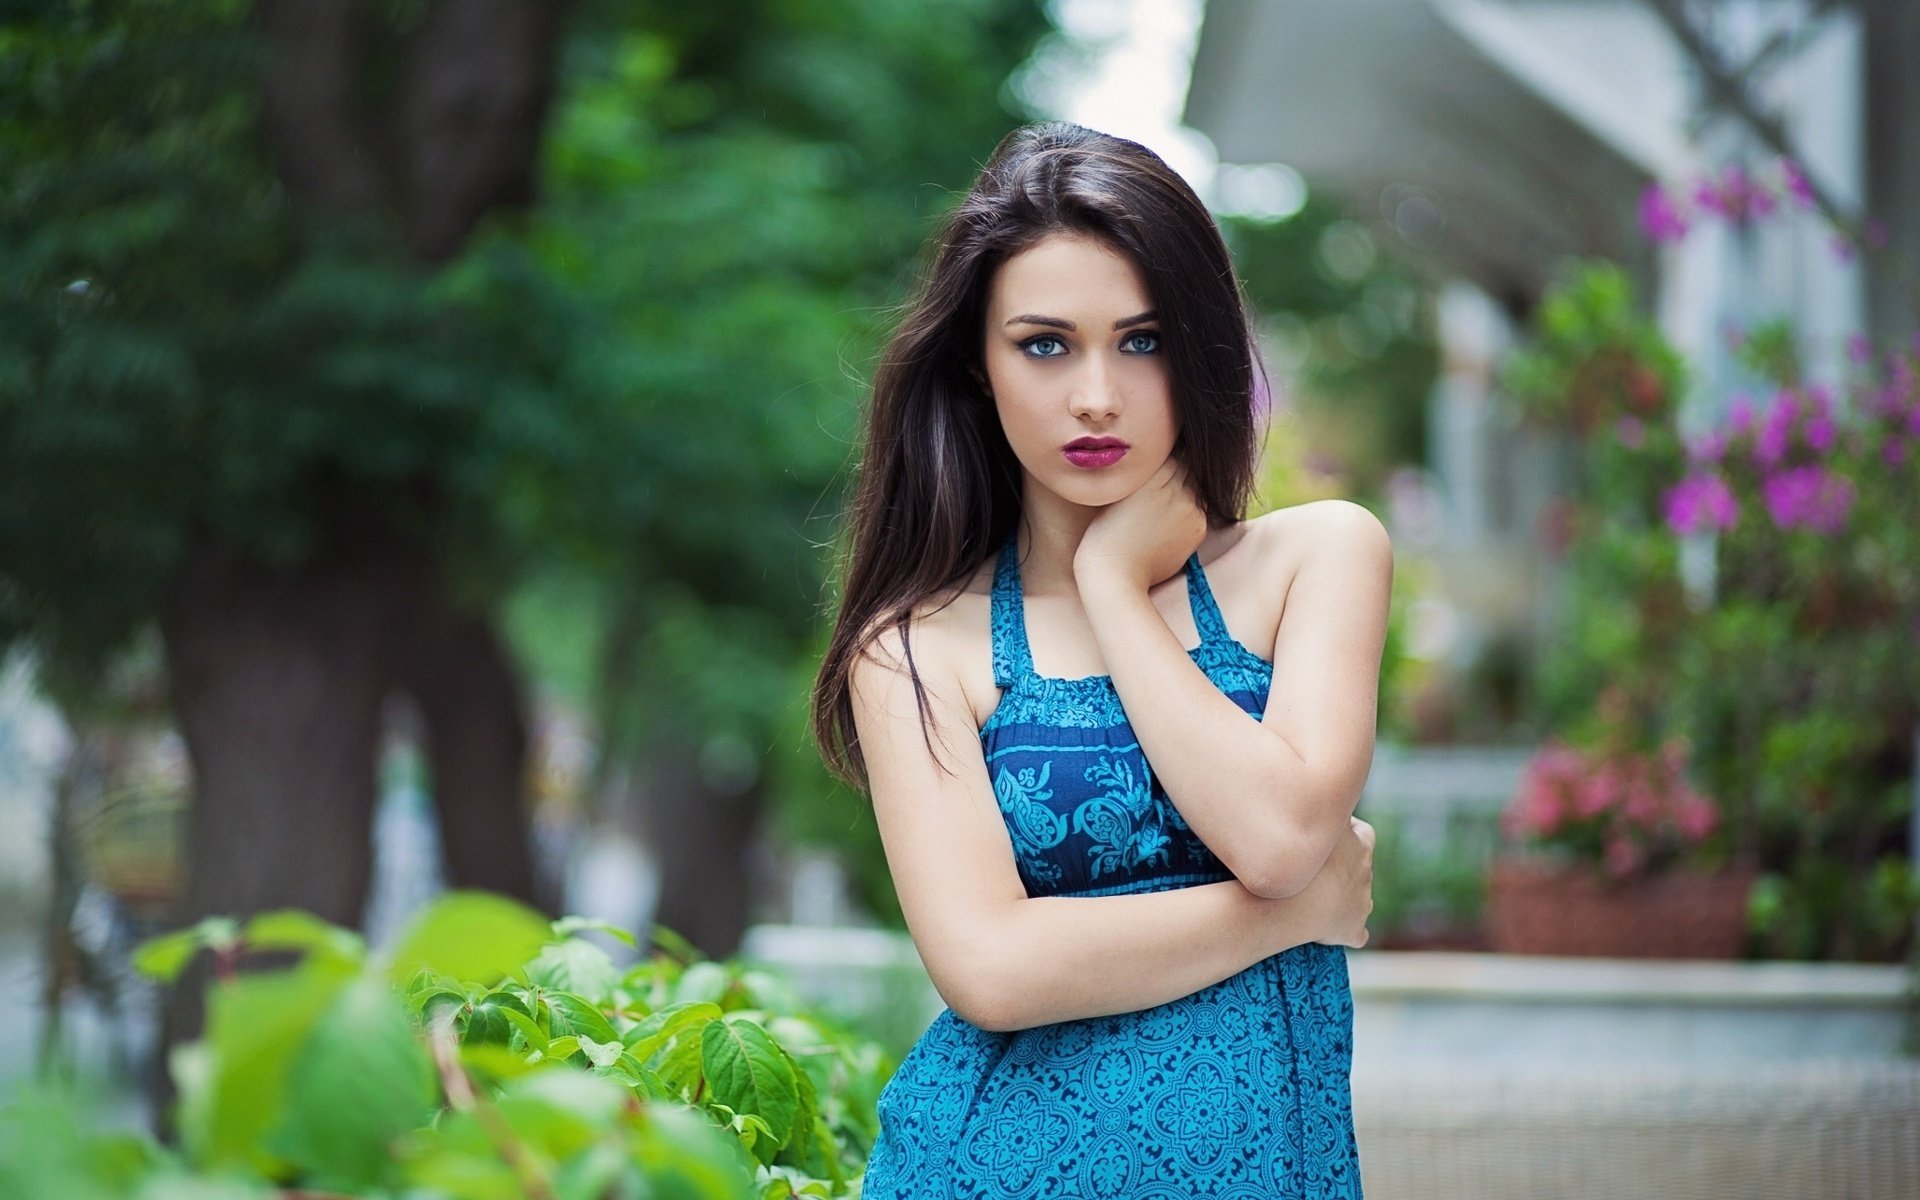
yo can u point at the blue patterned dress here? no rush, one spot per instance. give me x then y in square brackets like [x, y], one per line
[1240, 1089]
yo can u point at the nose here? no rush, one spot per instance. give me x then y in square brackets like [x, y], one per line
[1095, 392]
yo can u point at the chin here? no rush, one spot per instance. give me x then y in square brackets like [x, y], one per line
[1098, 493]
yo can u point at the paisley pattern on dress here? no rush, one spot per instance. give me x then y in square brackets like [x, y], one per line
[1238, 1090]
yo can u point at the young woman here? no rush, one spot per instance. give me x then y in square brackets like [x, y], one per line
[1122, 836]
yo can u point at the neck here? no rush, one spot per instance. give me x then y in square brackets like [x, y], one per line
[1049, 532]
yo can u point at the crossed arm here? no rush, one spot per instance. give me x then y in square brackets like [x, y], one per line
[1003, 960]
[1269, 797]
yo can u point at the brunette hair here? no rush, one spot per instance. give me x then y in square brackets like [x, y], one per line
[938, 487]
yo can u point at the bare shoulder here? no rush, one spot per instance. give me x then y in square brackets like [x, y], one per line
[948, 641]
[1254, 566]
[1322, 530]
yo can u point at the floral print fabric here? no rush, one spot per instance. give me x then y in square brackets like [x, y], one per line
[1238, 1090]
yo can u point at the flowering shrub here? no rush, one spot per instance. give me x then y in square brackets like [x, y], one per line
[1631, 813]
[1789, 670]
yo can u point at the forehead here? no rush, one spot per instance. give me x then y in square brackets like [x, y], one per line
[1068, 273]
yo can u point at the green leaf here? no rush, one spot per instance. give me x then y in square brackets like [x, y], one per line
[567, 926]
[256, 1027]
[748, 1072]
[592, 1174]
[295, 929]
[574, 1014]
[601, 1054]
[686, 1157]
[475, 937]
[658, 1028]
[495, 1061]
[757, 1136]
[675, 944]
[529, 1028]
[362, 1079]
[489, 1021]
[165, 956]
[575, 966]
[702, 981]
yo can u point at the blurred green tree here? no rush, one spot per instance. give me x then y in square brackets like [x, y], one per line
[332, 333]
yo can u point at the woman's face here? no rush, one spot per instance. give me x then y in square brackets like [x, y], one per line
[1072, 351]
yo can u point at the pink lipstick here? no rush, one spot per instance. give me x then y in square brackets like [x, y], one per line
[1094, 452]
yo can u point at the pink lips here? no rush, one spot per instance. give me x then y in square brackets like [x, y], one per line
[1094, 452]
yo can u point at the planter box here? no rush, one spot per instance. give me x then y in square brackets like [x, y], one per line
[1541, 907]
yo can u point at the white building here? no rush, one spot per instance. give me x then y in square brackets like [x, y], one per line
[1488, 140]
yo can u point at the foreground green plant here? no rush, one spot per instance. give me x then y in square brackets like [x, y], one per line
[491, 1055]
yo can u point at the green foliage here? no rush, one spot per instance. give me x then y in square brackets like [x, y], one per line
[627, 407]
[1790, 679]
[1357, 327]
[444, 1070]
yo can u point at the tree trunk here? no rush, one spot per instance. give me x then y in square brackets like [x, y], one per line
[701, 839]
[276, 680]
[468, 694]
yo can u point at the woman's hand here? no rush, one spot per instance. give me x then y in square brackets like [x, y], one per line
[1341, 895]
[1146, 535]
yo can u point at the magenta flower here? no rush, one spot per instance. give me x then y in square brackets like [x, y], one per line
[1819, 432]
[1859, 349]
[1809, 497]
[1740, 414]
[1660, 218]
[1798, 185]
[1700, 503]
[1770, 446]
[1738, 196]
[1893, 451]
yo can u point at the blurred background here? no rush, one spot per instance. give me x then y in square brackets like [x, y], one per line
[424, 431]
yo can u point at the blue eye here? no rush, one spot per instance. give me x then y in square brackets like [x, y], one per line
[1152, 340]
[1030, 346]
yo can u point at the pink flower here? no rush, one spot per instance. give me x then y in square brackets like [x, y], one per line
[1893, 451]
[1623, 858]
[1740, 414]
[1696, 816]
[1701, 502]
[1643, 805]
[1859, 349]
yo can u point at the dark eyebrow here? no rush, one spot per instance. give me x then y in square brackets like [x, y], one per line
[1069, 326]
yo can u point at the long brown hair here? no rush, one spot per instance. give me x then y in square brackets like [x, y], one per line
[938, 487]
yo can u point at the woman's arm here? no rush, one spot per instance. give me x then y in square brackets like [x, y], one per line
[1271, 796]
[1003, 960]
